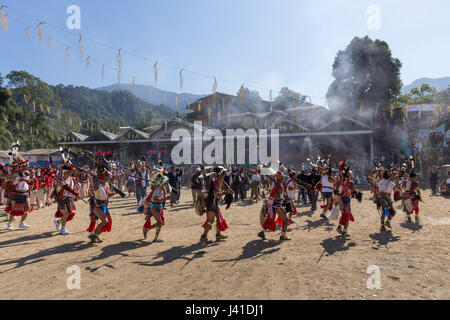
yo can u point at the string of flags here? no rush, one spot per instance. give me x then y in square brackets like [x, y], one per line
[81, 38]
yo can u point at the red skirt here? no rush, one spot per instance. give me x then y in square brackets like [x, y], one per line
[223, 226]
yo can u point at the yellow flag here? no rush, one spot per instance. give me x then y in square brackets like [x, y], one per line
[10, 92]
[25, 98]
[181, 80]
[34, 106]
[392, 110]
[40, 33]
[406, 111]
[199, 107]
[209, 113]
[155, 72]
[41, 108]
[3, 19]
[17, 125]
[37, 131]
[48, 109]
[80, 45]
[420, 111]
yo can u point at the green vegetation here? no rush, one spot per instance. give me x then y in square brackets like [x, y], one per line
[36, 113]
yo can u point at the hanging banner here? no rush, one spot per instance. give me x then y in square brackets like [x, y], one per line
[4, 18]
[40, 33]
[155, 72]
[181, 80]
[214, 87]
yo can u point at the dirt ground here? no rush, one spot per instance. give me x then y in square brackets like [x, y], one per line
[414, 260]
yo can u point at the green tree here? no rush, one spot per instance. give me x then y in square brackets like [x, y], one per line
[365, 72]
[288, 98]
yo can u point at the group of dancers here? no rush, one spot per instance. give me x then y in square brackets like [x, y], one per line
[211, 187]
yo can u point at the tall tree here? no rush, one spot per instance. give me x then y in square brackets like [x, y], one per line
[288, 98]
[365, 72]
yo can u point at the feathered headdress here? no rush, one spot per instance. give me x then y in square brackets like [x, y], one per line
[67, 164]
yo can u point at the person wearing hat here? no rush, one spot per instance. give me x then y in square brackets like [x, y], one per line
[216, 191]
[65, 195]
[153, 205]
[385, 188]
[99, 206]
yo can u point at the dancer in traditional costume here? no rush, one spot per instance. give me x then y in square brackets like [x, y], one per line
[19, 189]
[215, 194]
[274, 207]
[83, 179]
[347, 190]
[327, 182]
[413, 196]
[65, 195]
[290, 187]
[99, 205]
[385, 188]
[153, 205]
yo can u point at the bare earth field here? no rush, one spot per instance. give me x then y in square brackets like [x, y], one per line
[316, 264]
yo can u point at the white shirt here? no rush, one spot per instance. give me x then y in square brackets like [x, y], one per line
[156, 194]
[22, 186]
[326, 185]
[101, 194]
[70, 183]
[290, 193]
[386, 186]
[256, 177]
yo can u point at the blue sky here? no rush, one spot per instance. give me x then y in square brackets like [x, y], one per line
[260, 43]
